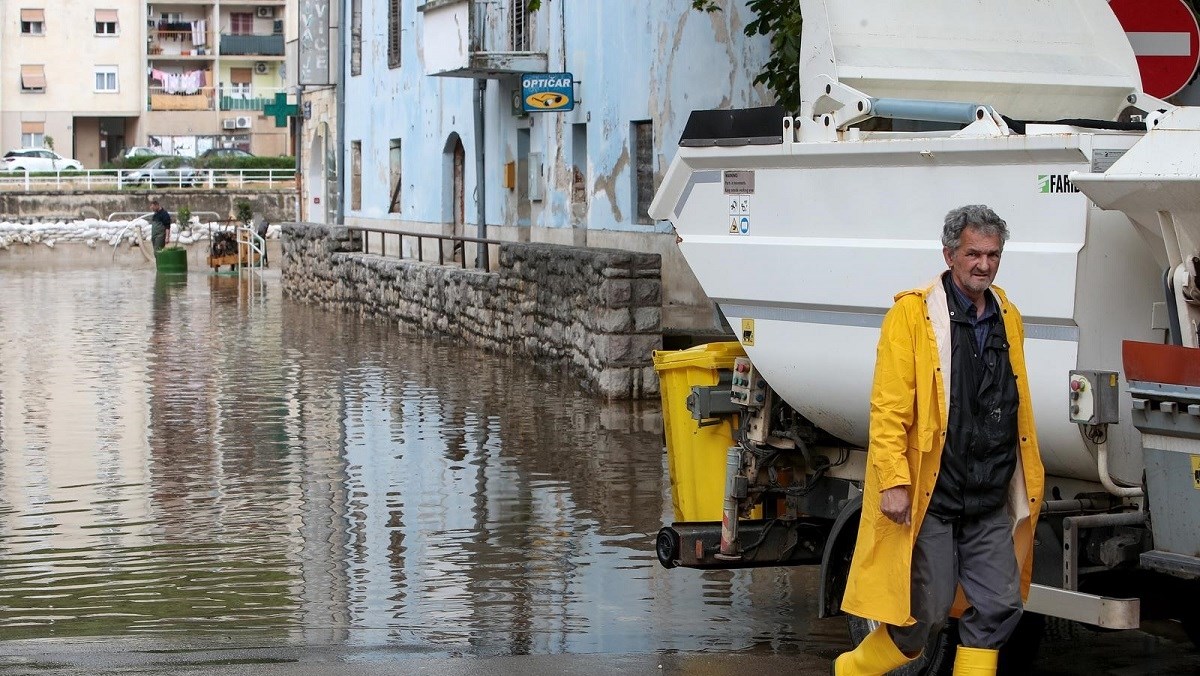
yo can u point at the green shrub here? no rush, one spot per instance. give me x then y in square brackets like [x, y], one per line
[129, 162]
[243, 211]
[284, 162]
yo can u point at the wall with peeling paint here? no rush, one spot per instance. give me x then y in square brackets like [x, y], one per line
[634, 60]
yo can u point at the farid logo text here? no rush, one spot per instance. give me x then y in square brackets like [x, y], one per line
[1055, 183]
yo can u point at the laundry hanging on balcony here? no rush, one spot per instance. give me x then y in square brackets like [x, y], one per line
[190, 82]
[199, 33]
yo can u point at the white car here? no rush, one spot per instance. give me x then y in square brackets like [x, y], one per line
[139, 151]
[38, 159]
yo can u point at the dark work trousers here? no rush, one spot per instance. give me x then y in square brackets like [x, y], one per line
[978, 553]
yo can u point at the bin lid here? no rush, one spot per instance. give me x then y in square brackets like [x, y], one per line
[709, 355]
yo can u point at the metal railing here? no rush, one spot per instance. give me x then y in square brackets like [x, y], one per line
[255, 99]
[132, 179]
[251, 45]
[458, 245]
[501, 26]
[255, 248]
[165, 44]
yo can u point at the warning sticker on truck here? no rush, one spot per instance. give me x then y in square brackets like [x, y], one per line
[748, 332]
[739, 182]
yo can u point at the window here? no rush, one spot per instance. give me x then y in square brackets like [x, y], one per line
[356, 175]
[106, 22]
[393, 33]
[33, 22]
[33, 134]
[642, 135]
[579, 163]
[394, 175]
[239, 83]
[106, 79]
[519, 22]
[241, 23]
[33, 79]
[356, 37]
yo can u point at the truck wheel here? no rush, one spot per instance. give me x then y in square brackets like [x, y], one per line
[936, 660]
[666, 546]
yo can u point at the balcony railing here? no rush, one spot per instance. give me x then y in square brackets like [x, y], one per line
[251, 45]
[254, 100]
[479, 39]
[170, 43]
[201, 99]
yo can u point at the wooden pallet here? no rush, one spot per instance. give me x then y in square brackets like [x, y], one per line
[233, 259]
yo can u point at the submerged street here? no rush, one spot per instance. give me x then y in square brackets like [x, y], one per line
[197, 475]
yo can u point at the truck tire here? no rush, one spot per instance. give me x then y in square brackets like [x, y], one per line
[936, 660]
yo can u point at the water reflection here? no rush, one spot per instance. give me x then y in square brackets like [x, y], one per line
[190, 455]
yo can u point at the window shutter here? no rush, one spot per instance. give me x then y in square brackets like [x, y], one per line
[106, 16]
[393, 33]
[240, 75]
[33, 15]
[33, 77]
[33, 127]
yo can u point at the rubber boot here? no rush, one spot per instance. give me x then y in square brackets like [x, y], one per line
[875, 656]
[975, 661]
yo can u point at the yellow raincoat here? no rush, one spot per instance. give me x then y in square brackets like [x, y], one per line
[910, 404]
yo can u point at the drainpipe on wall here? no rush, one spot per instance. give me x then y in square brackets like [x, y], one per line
[299, 154]
[343, 56]
[481, 258]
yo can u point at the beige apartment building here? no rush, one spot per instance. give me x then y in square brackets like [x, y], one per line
[91, 78]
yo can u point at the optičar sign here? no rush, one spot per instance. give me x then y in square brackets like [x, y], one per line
[547, 92]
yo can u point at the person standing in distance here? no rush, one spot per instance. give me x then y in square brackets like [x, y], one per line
[954, 476]
[160, 226]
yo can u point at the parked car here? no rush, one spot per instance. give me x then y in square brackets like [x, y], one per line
[139, 151]
[38, 159]
[224, 152]
[166, 171]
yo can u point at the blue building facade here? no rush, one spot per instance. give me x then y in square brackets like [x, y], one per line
[417, 75]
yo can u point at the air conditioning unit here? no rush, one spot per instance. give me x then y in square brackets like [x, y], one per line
[229, 123]
[243, 122]
[262, 67]
[265, 13]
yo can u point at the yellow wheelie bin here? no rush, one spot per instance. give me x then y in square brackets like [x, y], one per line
[696, 452]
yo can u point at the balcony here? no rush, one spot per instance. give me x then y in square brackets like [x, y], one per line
[232, 99]
[251, 45]
[169, 43]
[479, 39]
[198, 99]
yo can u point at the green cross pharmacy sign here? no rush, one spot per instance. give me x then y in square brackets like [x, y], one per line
[281, 110]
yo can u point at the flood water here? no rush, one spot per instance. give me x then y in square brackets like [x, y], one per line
[198, 462]
[197, 456]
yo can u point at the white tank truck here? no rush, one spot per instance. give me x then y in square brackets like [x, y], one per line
[803, 228]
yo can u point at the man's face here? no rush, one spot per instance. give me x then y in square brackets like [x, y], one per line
[975, 262]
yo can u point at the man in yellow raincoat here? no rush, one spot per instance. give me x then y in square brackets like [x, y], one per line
[954, 477]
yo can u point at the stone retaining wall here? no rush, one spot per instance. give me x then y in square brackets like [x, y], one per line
[66, 205]
[597, 310]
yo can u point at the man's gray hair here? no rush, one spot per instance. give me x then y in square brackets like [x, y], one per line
[977, 216]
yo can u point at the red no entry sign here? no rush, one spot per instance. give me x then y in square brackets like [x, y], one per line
[1165, 39]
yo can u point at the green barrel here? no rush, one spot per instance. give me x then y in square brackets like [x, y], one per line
[173, 259]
